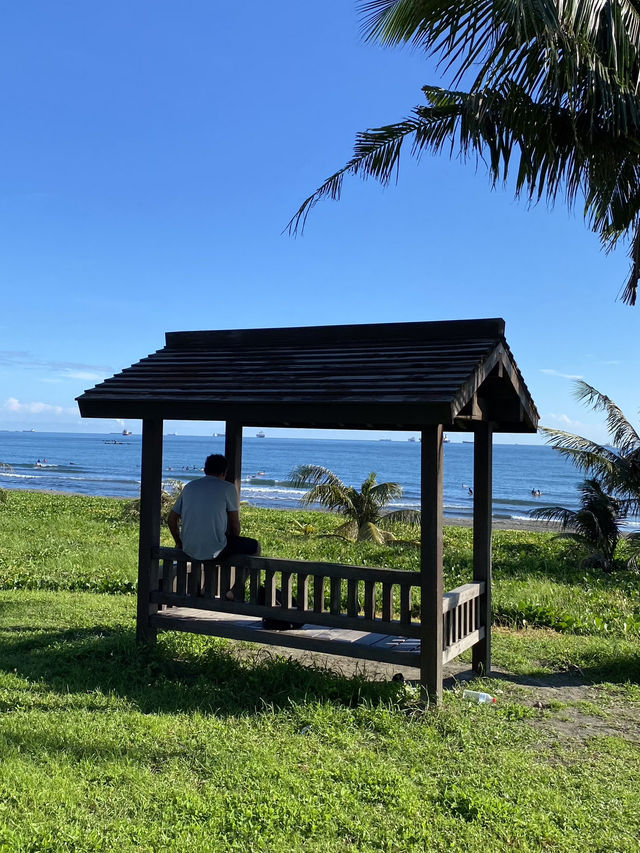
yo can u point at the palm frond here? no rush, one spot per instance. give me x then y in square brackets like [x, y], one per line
[402, 516]
[552, 87]
[376, 154]
[313, 475]
[558, 514]
[382, 493]
[370, 532]
[623, 435]
[586, 455]
[328, 495]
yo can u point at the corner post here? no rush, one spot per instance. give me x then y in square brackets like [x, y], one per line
[482, 513]
[150, 511]
[431, 584]
[233, 452]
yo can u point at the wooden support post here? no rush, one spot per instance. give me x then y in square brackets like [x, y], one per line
[482, 512]
[431, 585]
[150, 506]
[233, 452]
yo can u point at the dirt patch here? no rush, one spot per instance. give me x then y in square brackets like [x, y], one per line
[568, 708]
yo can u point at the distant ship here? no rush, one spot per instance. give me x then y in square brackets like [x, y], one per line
[260, 434]
[127, 432]
[218, 435]
[411, 438]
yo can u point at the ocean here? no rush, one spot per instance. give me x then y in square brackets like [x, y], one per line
[96, 464]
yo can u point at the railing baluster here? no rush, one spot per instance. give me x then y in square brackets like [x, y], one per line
[225, 579]
[318, 594]
[353, 605]
[335, 596]
[194, 578]
[387, 602]
[369, 599]
[209, 572]
[303, 591]
[270, 588]
[405, 603]
[287, 593]
[254, 585]
[168, 575]
[181, 577]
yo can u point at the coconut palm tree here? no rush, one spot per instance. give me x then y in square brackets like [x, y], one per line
[552, 91]
[362, 508]
[596, 525]
[615, 465]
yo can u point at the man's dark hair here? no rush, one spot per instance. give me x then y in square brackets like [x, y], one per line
[216, 464]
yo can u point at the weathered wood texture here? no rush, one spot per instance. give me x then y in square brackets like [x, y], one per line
[460, 375]
[335, 641]
[363, 599]
[482, 529]
[150, 493]
[336, 599]
[431, 561]
[233, 453]
[397, 375]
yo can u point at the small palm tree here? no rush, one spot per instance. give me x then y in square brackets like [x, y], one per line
[362, 508]
[596, 525]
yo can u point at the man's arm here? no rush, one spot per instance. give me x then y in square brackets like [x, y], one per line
[173, 523]
[233, 522]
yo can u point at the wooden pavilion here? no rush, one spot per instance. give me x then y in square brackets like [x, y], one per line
[431, 377]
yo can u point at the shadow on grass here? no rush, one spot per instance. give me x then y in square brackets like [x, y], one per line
[181, 673]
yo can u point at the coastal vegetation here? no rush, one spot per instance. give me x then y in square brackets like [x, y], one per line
[596, 525]
[363, 507]
[545, 91]
[207, 745]
[611, 493]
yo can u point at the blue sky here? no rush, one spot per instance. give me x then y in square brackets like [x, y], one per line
[154, 151]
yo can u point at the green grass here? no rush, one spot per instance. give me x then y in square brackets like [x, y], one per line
[62, 542]
[189, 746]
[186, 747]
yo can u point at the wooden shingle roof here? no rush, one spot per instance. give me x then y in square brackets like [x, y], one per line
[383, 376]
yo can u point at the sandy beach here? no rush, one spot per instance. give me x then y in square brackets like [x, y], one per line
[530, 525]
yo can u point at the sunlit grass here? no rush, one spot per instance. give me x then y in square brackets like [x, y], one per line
[190, 745]
[107, 745]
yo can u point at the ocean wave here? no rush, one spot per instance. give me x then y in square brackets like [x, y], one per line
[7, 476]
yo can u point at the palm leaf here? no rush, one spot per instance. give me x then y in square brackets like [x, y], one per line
[623, 436]
[370, 532]
[552, 87]
[402, 516]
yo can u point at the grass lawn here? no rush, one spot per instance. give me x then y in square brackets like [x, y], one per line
[190, 746]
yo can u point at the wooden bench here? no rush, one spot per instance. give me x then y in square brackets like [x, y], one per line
[360, 612]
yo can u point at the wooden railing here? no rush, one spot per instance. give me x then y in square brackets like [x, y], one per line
[461, 626]
[331, 594]
[386, 601]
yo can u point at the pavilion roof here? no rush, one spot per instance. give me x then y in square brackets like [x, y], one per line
[382, 376]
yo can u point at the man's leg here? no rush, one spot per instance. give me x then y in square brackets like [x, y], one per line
[239, 545]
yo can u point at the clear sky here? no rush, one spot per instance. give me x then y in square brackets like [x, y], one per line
[152, 154]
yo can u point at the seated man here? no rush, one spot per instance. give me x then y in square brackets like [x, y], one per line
[205, 521]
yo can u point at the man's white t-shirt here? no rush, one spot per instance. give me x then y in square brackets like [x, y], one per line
[203, 507]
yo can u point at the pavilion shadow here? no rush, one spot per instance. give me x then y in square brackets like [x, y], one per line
[174, 676]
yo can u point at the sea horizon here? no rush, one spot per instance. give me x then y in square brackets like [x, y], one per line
[525, 476]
